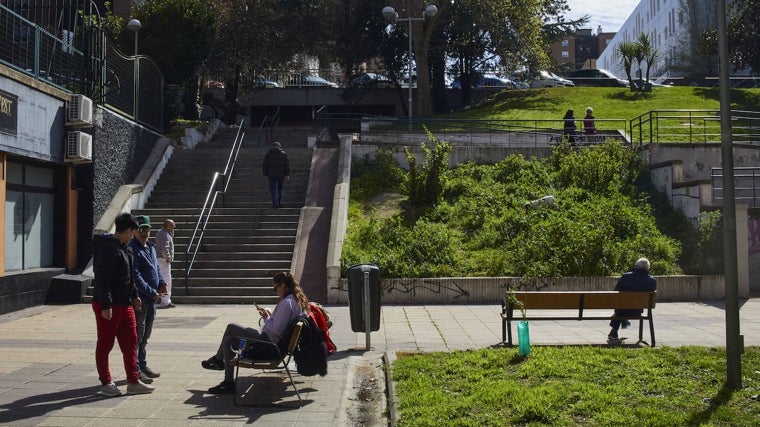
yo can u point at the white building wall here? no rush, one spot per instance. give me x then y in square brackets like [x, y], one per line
[662, 21]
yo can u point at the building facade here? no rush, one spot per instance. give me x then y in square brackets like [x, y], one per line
[580, 50]
[672, 27]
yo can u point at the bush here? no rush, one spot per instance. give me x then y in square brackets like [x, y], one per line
[598, 225]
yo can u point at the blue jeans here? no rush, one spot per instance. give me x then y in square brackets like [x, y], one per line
[145, 317]
[276, 189]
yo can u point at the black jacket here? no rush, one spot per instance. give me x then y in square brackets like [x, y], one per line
[636, 280]
[276, 163]
[112, 264]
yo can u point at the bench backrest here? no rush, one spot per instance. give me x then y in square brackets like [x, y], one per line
[587, 300]
[295, 336]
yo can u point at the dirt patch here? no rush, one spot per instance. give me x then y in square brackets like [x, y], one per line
[385, 205]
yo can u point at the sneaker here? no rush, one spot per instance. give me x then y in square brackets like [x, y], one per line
[139, 388]
[225, 387]
[145, 379]
[612, 335]
[625, 324]
[109, 389]
[170, 305]
[213, 363]
[149, 372]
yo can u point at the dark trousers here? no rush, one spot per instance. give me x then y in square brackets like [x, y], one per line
[276, 189]
[145, 317]
[121, 327]
[229, 344]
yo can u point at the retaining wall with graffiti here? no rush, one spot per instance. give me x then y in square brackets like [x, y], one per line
[491, 290]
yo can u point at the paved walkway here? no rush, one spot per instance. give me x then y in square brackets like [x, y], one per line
[47, 369]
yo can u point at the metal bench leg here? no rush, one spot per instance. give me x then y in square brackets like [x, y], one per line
[509, 333]
[651, 327]
[300, 402]
[641, 330]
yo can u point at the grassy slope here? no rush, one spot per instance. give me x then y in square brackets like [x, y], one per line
[608, 103]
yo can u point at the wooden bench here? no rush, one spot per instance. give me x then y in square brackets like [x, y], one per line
[580, 301]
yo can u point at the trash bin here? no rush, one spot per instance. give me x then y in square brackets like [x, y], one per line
[356, 298]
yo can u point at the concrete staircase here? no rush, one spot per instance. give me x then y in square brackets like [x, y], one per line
[246, 241]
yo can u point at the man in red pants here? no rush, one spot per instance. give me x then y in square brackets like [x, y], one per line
[114, 294]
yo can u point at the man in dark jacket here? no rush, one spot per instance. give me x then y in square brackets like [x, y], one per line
[276, 167]
[114, 294]
[636, 280]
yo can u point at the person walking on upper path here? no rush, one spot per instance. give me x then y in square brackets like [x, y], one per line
[569, 128]
[151, 287]
[636, 280]
[112, 299]
[276, 167]
[165, 246]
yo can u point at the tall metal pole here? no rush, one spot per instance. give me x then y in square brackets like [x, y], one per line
[410, 73]
[733, 338]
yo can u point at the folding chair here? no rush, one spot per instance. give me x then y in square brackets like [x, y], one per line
[279, 361]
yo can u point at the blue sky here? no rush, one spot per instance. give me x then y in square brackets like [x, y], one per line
[610, 14]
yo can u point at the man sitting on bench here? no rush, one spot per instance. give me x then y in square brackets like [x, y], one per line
[636, 280]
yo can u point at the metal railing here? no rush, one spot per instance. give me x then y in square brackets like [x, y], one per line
[267, 127]
[59, 43]
[746, 185]
[218, 180]
[522, 133]
[693, 127]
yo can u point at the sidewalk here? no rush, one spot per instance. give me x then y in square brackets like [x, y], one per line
[47, 368]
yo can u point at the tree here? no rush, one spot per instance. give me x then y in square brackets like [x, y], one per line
[177, 35]
[627, 51]
[646, 52]
[744, 33]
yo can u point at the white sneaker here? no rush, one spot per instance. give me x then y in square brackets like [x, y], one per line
[145, 379]
[109, 389]
[139, 388]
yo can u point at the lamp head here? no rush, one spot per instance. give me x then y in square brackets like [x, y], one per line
[431, 10]
[390, 14]
[134, 25]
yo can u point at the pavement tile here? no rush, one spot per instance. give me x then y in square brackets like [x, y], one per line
[36, 391]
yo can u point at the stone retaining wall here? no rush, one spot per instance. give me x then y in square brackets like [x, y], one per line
[491, 290]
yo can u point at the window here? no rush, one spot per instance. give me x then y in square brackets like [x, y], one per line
[29, 217]
[565, 43]
[565, 54]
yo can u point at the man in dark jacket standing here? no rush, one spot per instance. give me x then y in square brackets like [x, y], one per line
[276, 167]
[636, 280]
[113, 296]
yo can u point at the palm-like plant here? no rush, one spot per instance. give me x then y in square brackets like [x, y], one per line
[649, 54]
[627, 51]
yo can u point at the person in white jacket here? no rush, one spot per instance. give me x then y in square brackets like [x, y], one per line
[164, 242]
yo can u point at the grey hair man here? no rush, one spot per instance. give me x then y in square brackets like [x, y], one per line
[165, 247]
[636, 280]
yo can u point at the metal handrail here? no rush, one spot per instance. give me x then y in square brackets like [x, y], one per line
[208, 205]
[267, 127]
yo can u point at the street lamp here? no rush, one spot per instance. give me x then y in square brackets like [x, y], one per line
[134, 25]
[391, 15]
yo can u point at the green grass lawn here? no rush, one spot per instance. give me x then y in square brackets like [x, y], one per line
[608, 103]
[568, 386]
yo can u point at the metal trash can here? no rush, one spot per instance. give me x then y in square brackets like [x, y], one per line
[364, 296]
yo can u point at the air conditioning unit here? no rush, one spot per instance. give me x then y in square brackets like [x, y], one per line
[78, 147]
[79, 111]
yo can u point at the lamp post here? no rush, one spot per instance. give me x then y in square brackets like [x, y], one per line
[134, 25]
[392, 16]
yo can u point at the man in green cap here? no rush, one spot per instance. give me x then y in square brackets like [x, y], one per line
[151, 287]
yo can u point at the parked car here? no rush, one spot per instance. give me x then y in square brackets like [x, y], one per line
[486, 81]
[594, 77]
[310, 81]
[367, 80]
[640, 83]
[213, 84]
[260, 81]
[548, 79]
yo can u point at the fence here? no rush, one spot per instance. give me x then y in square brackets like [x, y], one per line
[693, 126]
[54, 41]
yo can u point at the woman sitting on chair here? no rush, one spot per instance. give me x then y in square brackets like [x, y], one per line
[293, 303]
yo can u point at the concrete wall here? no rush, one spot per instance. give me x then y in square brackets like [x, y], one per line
[698, 159]
[491, 290]
[25, 289]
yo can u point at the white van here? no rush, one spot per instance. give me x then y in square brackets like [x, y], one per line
[547, 79]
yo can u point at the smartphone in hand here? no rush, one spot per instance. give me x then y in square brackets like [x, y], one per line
[257, 306]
